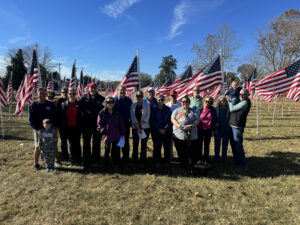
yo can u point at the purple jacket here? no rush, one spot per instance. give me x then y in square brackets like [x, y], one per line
[111, 125]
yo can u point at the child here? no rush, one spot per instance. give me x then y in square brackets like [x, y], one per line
[48, 144]
[234, 92]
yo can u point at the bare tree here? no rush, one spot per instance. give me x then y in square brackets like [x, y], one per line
[223, 39]
[280, 44]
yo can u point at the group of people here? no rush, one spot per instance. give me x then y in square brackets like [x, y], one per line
[189, 125]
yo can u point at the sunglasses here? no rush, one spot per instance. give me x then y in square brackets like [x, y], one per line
[208, 102]
[185, 102]
[139, 96]
[110, 102]
[160, 100]
[72, 93]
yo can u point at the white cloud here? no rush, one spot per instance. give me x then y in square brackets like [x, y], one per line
[3, 63]
[116, 8]
[16, 39]
[180, 16]
[179, 44]
[185, 9]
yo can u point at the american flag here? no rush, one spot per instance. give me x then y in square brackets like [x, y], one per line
[2, 95]
[72, 83]
[10, 90]
[34, 72]
[131, 79]
[250, 81]
[19, 91]
[50, 84]
[86, 89]
[216, 91]
[80, 89]
[210, 76]
[179, 82]
[294, 91]
[26, 94]
[281, 81]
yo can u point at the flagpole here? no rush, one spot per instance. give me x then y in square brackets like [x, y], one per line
[38, 65]
[222, 65]
[282, 107]
[138, 67]
[274, 111]
[259, 106]
[9, 109]
[256, 114]
[2, 122]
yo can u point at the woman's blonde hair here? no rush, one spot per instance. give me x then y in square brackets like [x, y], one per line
[208, 97]
[217, 103]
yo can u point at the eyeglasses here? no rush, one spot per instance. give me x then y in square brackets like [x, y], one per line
[185, 102]
[208, 102]
[139, 96]
[160, 100]
[110, 102]
[72, 93]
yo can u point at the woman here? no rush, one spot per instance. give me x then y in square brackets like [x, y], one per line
[223, 129]
[70, 125]
[185, 122]
[161, 131]
[140, 115]
[206, 126]
[111, 126]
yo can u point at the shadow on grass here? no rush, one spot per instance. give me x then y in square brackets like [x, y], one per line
[274, 165]
[271, 138]
[17, 138]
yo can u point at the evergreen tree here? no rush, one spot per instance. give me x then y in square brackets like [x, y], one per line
[167, 67]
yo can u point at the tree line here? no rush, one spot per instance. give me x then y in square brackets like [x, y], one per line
[278, 45]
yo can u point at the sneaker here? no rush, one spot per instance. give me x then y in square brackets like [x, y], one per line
[47, 170]
[36, 167]
[57, 164]
[72, 165]
[51, 170]
[200, 165]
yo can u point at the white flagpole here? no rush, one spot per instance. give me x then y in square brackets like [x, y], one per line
[2, 122]
[9, 109]
[256, 115]
[274, 111]
[260, 106]
[138, 67]
[290, 107]
[282, 107]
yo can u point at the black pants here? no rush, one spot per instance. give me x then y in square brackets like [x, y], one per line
[64, 143]
[232, 143]
[160, 140]
[136, 141]
[204, 137]
[186, 152]
[95, 156]
[115, 153]
[73, 136]
[125, 150]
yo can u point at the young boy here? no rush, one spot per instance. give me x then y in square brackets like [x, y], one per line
[48, 144]
[234, 92]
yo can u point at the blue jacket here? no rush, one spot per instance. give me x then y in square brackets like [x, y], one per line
[167, 124]
[234, 94]
[123, 106]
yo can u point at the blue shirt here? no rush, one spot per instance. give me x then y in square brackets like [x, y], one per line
[123, 105]
[234, 95]
[152, 103]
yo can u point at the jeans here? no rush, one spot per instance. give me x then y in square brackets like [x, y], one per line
[73, 135]
[204, 138]
[160, 140]
[136, 141]
[64, 143]
[221, 136]
[95, 156]
[238, 152]
[115, 153]
[125, 150]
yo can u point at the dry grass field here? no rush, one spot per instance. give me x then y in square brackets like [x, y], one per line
[268, 193]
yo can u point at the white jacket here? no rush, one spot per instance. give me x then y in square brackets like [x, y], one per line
[145, 115]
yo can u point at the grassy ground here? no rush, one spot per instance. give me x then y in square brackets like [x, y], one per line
[269, 193]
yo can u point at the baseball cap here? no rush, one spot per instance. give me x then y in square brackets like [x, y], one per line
[151, 90]
[173, 92]
[92, 84]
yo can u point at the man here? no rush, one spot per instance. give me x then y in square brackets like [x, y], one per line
[151, 98]
[123, 104]
[196, 100]
[162, 131]
[173, 103]
[62, 133]
[234, 92]
[237, 121]
[38, 111]
[91, 105]
[51, 96]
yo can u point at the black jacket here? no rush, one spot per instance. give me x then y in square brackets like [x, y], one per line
[239, 118]
[63, 116]
[214, 122]
[90, 109]
[38, 112]
[167, 124]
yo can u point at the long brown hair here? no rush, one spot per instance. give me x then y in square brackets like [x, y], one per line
[217, 103]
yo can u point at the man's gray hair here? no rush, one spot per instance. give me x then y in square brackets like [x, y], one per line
[246, 91]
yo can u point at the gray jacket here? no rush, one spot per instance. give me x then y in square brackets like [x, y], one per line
[145, 115]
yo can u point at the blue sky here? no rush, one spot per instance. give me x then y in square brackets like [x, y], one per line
[104, 35]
